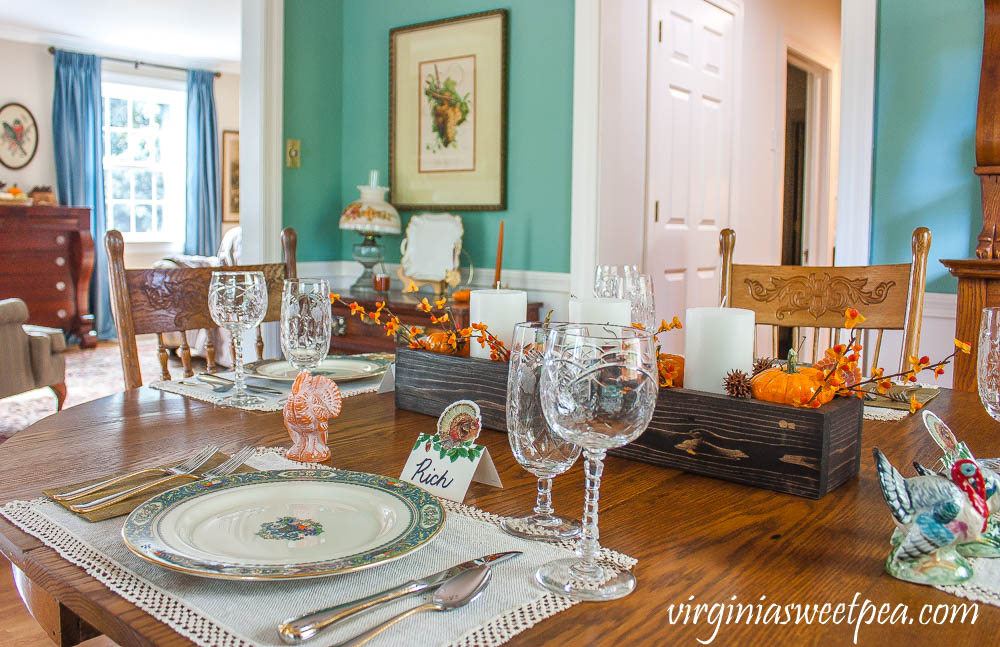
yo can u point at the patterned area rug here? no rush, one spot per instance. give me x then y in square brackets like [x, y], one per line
[90, 374]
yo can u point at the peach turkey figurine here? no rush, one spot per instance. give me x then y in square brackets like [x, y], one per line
[314, 400]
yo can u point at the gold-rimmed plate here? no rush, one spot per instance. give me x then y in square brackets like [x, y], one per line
[338, 369]
[283, 524]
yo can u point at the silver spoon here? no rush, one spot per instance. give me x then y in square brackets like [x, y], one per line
[454, 593]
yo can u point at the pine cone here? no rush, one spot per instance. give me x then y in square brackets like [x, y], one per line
[762, 364]
[737, 384]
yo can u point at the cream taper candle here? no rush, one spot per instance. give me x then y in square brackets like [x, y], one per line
[716, 341]
[617, 312]
[500, 310]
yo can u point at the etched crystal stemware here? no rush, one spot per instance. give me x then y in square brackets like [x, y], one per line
[599, 389]
[306, 322]
[237, 302]
[988, 361]
[534, 446]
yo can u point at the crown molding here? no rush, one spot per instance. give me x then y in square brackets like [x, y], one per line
[32, 36]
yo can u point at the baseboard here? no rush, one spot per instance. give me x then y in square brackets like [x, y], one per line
[938, 305]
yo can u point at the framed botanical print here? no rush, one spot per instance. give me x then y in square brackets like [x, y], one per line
[448, 113]
[231, 176]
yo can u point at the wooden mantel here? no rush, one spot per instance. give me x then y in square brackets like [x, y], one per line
[988, 135]
[978, 288]
[979, 278]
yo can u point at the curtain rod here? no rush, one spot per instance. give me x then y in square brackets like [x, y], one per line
[52, 50]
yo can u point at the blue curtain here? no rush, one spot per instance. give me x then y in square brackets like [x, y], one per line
[204, 220]
[79, 150]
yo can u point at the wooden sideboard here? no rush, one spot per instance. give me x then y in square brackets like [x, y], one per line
[354, 335]
[978, 288]
[47, 259]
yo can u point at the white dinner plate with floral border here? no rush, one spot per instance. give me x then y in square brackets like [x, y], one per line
[283, 524]
[338, 369]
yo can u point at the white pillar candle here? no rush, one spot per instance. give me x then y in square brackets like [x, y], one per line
[500, 310]
[617, 312]
[716, 341]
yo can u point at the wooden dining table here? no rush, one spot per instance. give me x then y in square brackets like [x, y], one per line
[697, 539]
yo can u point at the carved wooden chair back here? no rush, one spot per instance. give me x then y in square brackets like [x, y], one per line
[176, 300]
[891, 297]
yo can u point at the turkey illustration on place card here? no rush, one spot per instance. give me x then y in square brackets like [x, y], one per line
[447, 462]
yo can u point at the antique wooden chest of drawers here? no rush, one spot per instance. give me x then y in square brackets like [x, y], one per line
[46, 259]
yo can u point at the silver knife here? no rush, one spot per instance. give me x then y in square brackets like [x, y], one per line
[208, 378]
[296, 630]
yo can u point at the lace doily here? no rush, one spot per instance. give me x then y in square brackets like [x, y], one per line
[272, 402]
[218, 613]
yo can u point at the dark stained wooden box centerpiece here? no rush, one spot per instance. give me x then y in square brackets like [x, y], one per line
[800, 451]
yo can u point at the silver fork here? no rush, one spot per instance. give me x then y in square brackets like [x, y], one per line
[189, 465]
[224, 469]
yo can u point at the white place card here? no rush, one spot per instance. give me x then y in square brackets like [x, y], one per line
[388, 383]
[449, 471]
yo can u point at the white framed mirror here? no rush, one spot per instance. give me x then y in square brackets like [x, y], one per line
[432, 246]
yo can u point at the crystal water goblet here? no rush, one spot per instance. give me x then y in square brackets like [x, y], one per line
[237, 302]
[988, 361]
[599, 389]
[306, 322]
[534, 446]
[640, 296]
[607, 283]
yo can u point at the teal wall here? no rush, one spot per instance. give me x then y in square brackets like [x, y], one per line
[927, 85]
[312, 112]
[539, 131]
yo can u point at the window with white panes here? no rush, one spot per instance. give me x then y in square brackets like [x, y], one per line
[144, 160]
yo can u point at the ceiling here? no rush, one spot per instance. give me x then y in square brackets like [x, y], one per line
[189, 33]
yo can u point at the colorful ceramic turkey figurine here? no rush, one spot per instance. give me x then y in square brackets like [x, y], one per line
[935, 514]
[314, 400]
[988, 543]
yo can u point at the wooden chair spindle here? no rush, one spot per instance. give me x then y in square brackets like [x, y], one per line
[210, 353]
[259, 346]
[878, 347]
[161, 353]
[185, 353]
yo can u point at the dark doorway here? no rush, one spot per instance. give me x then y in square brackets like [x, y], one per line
[796, 93]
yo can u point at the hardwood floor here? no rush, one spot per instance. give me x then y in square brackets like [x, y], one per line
[18, 627]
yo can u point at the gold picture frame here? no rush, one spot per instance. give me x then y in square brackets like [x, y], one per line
[231, 176]
[448, 113]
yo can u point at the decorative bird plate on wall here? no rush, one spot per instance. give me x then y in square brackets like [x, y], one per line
[19, 137]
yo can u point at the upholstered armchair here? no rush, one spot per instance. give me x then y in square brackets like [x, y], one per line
[30, 356]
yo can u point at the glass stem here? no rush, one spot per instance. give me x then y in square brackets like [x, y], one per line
[240, 387]
[543, 505]
[589, 545]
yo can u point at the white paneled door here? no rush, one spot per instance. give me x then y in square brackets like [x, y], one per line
[692, 82]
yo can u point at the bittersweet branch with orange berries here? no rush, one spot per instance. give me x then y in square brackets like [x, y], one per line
[442, 341]
[668, 368]
[842, 376]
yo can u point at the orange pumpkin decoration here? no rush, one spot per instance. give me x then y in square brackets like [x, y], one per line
[790, 384]
[671, 368]
[461, 295]
[438, 342]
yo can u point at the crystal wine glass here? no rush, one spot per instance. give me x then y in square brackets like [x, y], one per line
[607, 283]
[599, 389]
[532, 442]
[640, 295]
[237, 302]
[988, 361]
[306, 322]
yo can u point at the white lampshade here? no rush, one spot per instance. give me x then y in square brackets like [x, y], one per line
[371, 214]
